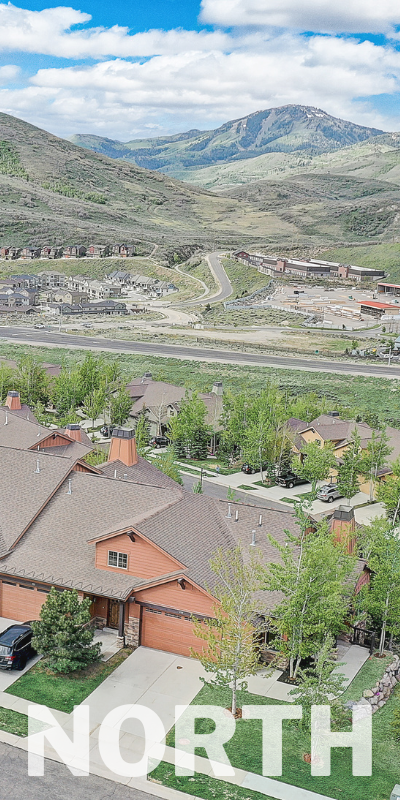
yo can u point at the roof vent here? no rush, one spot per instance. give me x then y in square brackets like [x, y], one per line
[147, 376]
[218, 388]
[69, 491]
[253, 539]
[333, 413]
[37, 470]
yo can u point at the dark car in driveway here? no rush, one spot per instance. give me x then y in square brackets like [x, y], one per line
[16, 647]
[159, 441]
[289, 479]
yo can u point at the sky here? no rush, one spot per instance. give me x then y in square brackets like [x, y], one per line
[127, 70]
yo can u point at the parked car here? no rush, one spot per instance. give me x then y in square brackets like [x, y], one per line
[159, 441]
[16, 647]
[289, 479]
[248, 469]
[328, 493]
[107, 430]
[39, 325]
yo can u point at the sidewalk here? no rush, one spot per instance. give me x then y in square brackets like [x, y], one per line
[150, 678]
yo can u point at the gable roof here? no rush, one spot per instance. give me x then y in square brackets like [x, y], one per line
[24, 491]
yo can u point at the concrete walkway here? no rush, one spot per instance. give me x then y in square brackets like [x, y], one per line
[160, 681]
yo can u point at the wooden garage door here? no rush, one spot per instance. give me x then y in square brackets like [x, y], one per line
[167, 631]
[19, 603]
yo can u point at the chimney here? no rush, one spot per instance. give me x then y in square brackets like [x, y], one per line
[123, 447]
[343, 525]
[13, 401]
[74, 431]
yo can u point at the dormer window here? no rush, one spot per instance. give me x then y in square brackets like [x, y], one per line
[119, 560]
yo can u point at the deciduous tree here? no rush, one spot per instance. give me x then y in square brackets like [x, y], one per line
[231, 651]
[316, 463]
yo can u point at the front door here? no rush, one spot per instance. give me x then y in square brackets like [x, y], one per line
[113, 614]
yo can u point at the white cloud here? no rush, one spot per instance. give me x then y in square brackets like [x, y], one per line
[124, 100]
[325, 16]
[49, 32]
[8, 74]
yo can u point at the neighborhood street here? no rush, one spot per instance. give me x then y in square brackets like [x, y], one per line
[58, 783]
[52, 338]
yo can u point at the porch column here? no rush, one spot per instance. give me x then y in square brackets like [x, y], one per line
[121, 625]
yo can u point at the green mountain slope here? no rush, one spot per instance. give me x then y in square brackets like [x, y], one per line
[289, 129]
[52, 191]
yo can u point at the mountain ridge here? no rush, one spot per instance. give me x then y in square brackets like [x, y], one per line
[286, 129]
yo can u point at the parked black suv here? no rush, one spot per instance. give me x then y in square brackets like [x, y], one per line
[289, 479]
[15, 647]
[159, 441]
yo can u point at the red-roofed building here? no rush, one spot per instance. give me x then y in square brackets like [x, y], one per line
[376, 308]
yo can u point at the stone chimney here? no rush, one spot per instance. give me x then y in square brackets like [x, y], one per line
[74, 431]
[123, 447]
[218, 388]
[13, 401]
[343, 525]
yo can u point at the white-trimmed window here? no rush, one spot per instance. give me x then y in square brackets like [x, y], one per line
[119, 560]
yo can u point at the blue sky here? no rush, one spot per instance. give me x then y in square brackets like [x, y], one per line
[127, 70]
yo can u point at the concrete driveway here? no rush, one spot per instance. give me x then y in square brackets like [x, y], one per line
[9, 676]
[150, 678]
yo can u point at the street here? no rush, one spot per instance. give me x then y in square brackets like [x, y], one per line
[220, 493]
[52, 338]
[58, 783]
[222, 278]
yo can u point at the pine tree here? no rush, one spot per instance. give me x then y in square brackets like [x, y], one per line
[62, 635]
[142, 432]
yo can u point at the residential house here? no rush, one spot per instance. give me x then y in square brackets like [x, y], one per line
[164, 287]
[120, 277]
[74, 251]
[51, 252]
[162, 401]
[123, 250]
[25, 281]
[331, 428]
[51, 279]
[30, 253]
[143, 283]
[68, 296]
[107, 307]
[98, 251]
[101, 290]
[9, 253]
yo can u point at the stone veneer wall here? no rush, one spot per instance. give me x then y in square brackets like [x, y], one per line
[379, 695]
[132, 632]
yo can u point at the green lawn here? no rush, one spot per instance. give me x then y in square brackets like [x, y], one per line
[367, 677]
[202, 785]
[63, 692]
[13, 722]
[247, 488]
[296, 743]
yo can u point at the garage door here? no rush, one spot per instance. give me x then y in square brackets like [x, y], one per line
[168, 631]
[20, 603]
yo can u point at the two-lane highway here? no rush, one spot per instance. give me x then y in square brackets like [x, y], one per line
[43, 338]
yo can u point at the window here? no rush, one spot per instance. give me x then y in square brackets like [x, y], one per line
[117, 559]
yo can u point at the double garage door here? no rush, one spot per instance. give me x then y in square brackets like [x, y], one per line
[165, 630]
[20, 602]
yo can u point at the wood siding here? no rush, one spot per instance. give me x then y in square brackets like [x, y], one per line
[171, 595]
[144, 559]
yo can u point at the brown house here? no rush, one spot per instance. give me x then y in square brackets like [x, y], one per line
[74, 251]
[98, 251]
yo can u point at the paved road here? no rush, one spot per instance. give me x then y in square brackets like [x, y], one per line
[34, 337]
[226, 286]
[57, 783]
[220, 493]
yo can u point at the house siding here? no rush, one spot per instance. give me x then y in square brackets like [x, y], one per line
[144, 559]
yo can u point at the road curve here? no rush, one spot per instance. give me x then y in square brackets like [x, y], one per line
[42, 338]
[221, 277]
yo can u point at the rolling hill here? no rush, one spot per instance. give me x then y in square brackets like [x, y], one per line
[53, 191]
[289, 129]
